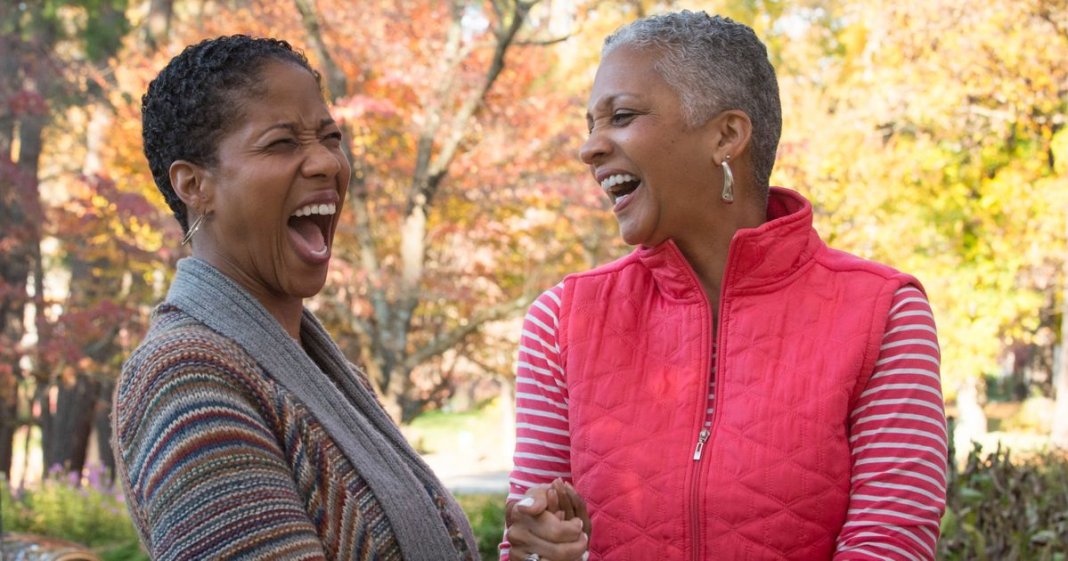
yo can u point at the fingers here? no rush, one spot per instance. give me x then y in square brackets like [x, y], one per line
[534, 503]
[547, 535]
[565, 498]
[570, 503]
[579, 506]
[552, 498]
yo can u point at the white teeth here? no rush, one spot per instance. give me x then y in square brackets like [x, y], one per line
[613, 180]
[324, 209]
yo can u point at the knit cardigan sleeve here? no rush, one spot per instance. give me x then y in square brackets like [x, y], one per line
[200, 454]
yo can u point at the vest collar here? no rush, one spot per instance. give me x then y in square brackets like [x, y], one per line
[759, 259]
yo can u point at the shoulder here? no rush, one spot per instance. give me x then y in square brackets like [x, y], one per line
[176, 341]
[840, 261]
[181, 356]
[608, 269]
[553, 300]
[548, 302]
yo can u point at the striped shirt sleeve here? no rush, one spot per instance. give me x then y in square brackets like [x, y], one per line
[543, 444]
[899, 444]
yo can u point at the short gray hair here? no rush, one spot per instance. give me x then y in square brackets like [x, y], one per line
[714, 64]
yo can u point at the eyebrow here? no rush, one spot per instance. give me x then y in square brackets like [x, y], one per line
[294, 127]
[608, 101]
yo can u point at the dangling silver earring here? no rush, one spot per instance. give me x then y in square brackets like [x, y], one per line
[728, 181]
[193, 229]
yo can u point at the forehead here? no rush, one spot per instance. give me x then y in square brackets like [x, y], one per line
[285, 96]
[282, 79]
[627, 71]
[284, 90]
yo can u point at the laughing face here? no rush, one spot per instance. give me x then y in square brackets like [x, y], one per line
[277, 191]
[656, 170]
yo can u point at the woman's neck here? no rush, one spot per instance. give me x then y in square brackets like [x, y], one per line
[708, 253]
[286, 309]
[708, 260]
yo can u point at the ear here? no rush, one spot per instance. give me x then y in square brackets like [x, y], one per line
[733, 130]
[188, 181]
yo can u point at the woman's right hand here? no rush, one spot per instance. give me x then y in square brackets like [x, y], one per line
[552, 521]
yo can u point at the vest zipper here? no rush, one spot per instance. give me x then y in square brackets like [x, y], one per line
[700, 444]
[695, 488]
[706, 432]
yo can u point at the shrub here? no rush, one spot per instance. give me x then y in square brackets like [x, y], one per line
[486, 513]
[999, 507]
[90, 514]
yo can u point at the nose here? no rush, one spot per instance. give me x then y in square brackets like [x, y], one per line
[595, 148]
[322, 161]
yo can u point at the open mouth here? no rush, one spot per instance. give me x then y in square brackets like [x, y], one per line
[310, 225]
[620, 186]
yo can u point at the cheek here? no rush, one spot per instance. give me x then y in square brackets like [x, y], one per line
[345, 175]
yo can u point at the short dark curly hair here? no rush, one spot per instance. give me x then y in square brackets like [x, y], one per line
[197, 98]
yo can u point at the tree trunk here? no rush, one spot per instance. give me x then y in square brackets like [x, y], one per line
[103, 430]
[157, 25]
[72, 421]
[971, 422]
[441, 137]
[43, 399]
[14, 264]
[8, 417]
[31, 129]
[14, 271]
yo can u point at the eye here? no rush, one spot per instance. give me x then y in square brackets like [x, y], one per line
[282, 143]
[622, 117]
[332, 139]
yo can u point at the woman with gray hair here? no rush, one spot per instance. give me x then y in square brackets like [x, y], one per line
[733, 388]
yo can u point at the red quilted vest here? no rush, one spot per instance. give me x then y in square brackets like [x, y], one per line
[799, 331]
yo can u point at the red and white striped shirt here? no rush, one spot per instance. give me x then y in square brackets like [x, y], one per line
[898, 431]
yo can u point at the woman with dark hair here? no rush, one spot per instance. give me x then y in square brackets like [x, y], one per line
[240, 429]
[733, 389]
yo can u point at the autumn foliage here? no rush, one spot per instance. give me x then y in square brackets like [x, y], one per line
[929, 134]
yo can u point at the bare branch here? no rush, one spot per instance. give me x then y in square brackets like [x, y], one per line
[543, 42]
[505, 34]
[336, 81]
[337, 84]
[450, 339]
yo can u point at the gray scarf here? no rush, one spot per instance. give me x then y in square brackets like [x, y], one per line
[347, 411]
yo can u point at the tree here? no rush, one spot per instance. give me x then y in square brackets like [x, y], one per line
[924, 141]
[61, 50]
[415, 117]
[26, 81]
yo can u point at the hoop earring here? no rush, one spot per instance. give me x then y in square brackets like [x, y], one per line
[728, 181]
[193, 229]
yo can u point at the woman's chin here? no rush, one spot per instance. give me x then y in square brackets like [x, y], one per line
[635, 238]
[307, 285]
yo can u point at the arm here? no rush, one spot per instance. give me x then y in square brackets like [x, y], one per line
[898, 441]
[203, 468]
[543, 446]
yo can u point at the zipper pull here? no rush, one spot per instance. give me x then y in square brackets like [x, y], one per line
[701, 439]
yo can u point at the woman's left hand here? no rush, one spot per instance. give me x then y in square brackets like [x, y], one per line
[550, 522]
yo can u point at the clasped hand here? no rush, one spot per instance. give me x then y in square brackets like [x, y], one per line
[551, 521]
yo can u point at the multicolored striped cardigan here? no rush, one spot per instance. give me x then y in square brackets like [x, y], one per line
[224, 456]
